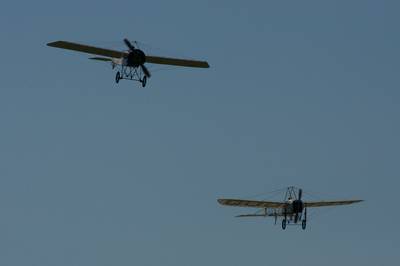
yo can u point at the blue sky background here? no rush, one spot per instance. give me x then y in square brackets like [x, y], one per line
[301, 93]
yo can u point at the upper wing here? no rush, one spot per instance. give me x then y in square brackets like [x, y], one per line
[251, 203]
[86, 49]
[330, 203]
[176, 61]
[118, 54]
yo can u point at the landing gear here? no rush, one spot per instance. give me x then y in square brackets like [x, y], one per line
[304, 222]
[117, 77]
[131, 73]
[284, 221]
[144, 81]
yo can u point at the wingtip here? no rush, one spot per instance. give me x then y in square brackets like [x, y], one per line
[357, 201]
[52, 44]
[58, 43]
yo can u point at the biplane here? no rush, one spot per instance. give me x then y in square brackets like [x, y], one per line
[292, 209]
[131, 63]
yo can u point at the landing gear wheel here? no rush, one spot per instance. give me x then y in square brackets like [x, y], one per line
[303, 224]
[144, 81]
[117, 77]
[284, 224]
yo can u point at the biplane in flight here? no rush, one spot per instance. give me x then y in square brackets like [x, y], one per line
[131, 63]
[292, 210]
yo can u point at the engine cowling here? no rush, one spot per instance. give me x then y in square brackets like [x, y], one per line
[298, 206]
[136, 58]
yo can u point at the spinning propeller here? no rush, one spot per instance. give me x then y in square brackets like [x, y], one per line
[138, 57]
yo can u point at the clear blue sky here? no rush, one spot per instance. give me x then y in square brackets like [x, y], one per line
[301, 93]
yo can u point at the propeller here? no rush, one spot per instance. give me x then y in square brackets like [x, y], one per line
[132, 48]
[145, 71]
[296, 217]
[129, 44]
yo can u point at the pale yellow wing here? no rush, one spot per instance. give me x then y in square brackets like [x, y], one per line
[176, 61]
[118, 54]
[87, 49]
[330, 203]
[251, 203]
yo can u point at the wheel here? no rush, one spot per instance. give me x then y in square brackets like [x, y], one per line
[117, 77]
[284, 224]
[144, 81]
[303, 224]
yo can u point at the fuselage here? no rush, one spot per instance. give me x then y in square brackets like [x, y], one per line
[134, 58]
[291, 208]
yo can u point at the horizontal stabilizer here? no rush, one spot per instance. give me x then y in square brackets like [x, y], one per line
[250, 215]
